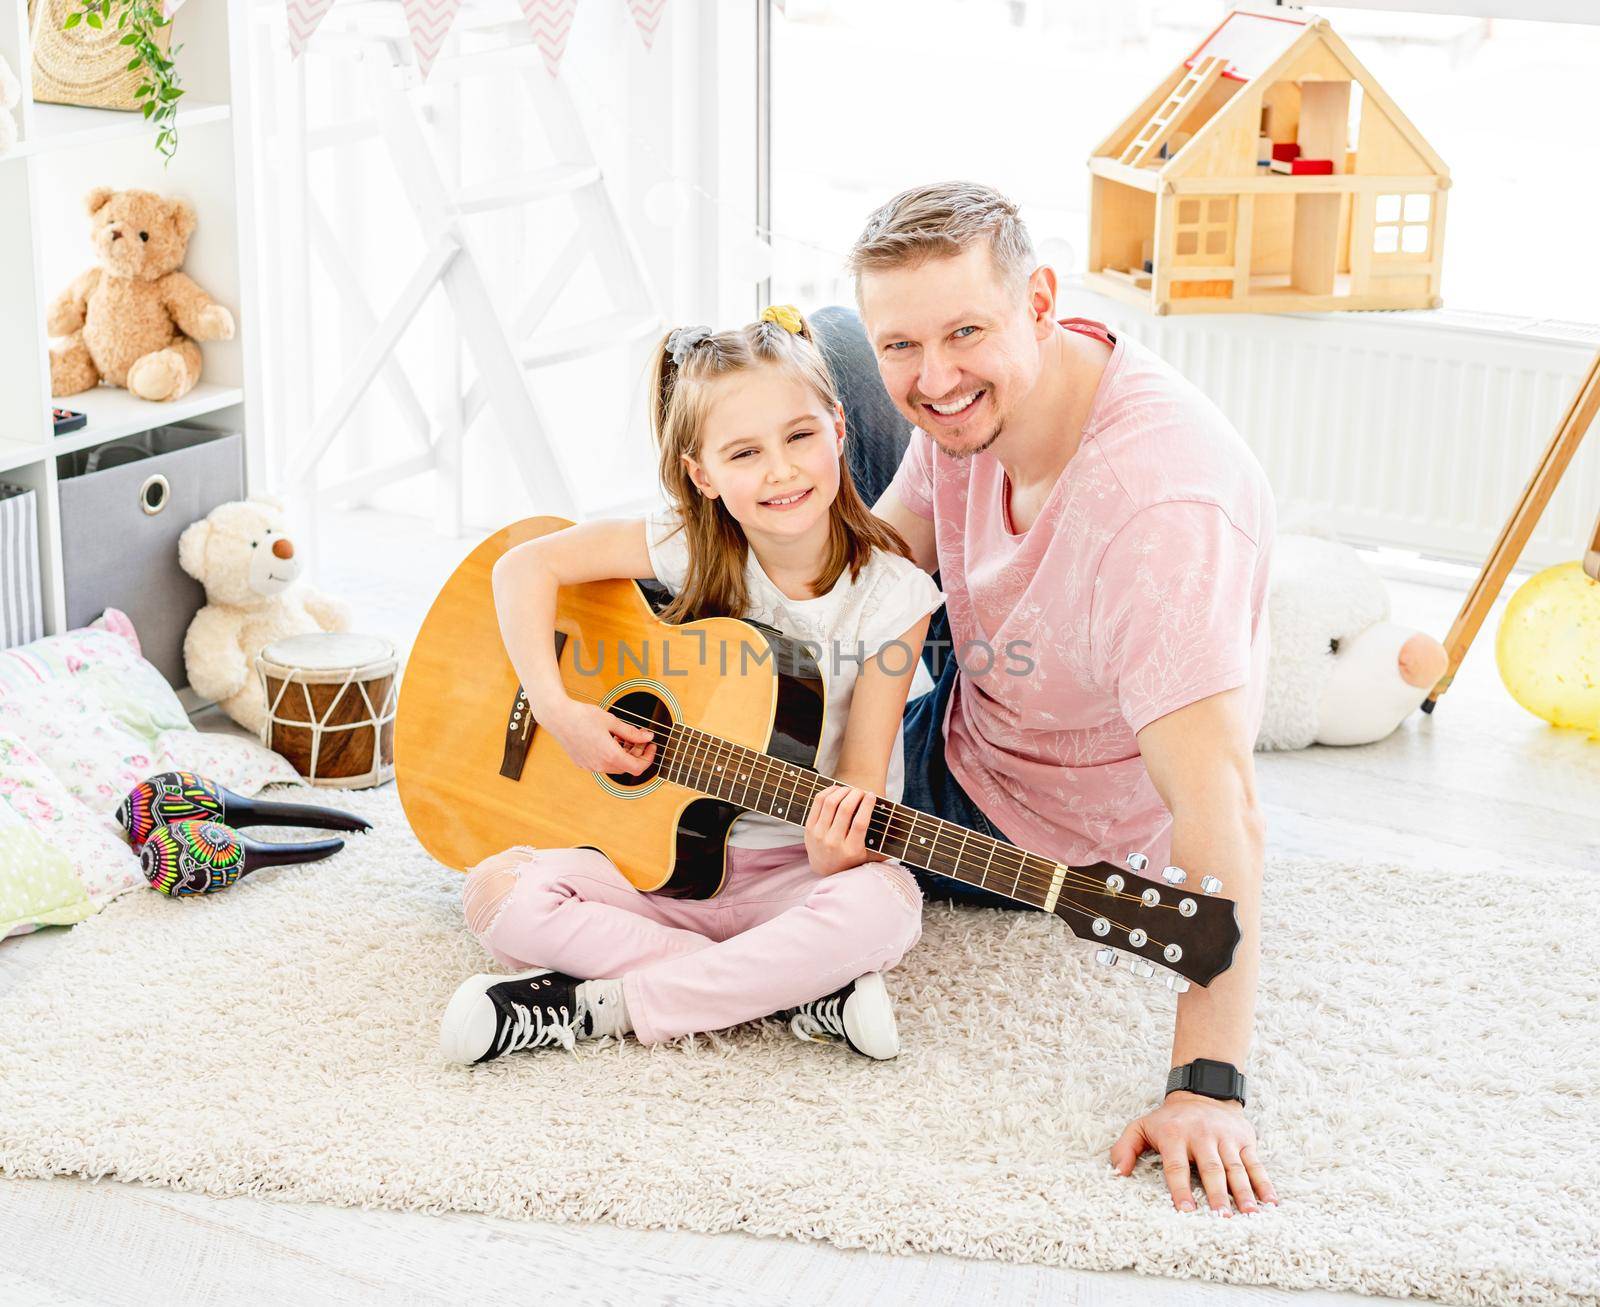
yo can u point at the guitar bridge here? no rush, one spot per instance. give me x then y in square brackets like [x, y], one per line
[519, 726]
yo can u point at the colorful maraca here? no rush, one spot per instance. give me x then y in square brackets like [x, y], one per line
[173, 796]
[201, 857]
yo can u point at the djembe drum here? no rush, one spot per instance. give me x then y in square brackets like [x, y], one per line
[330, 706]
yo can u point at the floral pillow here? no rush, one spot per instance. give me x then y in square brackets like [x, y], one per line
[38, 886]
[83, 719]
[43, 828]
[90, 751]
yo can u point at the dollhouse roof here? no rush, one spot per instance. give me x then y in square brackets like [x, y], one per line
[1261, 47]
[1251, 43]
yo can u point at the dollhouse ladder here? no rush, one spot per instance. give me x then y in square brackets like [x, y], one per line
[502, 353]
[1164, 122]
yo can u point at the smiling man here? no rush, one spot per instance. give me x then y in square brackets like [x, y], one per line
[1102, 534]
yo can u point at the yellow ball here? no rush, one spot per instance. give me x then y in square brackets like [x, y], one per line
[1548, 649]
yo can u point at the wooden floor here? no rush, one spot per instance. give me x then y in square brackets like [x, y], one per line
[1480, 776]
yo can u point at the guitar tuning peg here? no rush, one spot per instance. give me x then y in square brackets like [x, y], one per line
[1209, 884]
[1176, 983]
[1144, 970]
[1174, 875]
[1137, 862]
[1106, 957]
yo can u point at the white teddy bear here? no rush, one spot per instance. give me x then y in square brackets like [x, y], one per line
[242, 555]
[1340, 671]
[10, 94]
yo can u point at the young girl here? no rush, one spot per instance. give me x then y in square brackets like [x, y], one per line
[764, 522]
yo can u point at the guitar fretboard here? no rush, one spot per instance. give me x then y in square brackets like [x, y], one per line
[724, 770]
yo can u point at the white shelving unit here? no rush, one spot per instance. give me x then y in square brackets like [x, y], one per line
[63, 152]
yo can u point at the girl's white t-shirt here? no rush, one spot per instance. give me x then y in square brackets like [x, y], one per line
[852, 623]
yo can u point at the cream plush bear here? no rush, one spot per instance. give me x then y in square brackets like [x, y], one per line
[10, 94]
[242, 555]
[1340, 671]
[133, 321]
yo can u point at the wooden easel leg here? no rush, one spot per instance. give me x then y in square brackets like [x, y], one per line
[1519, 526]
[1591, 560]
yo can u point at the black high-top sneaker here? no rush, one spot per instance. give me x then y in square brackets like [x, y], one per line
[860, 1014]
[490, 1015]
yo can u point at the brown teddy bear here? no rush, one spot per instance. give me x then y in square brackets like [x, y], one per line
[134, 320]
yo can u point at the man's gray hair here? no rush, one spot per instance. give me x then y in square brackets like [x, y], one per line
[940, 221]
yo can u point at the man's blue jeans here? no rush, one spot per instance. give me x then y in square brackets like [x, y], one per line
[930, 787]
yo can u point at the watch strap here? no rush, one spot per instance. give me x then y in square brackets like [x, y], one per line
[1208, 1077]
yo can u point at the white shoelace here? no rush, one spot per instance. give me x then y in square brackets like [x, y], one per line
[819, 1022]
[532, 1026]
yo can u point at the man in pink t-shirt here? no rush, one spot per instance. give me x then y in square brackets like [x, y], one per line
[1102, 535]
[1139, 588]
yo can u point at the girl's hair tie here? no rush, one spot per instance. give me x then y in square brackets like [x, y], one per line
[682, 341]
[785, 315]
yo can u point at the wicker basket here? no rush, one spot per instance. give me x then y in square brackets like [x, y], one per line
[86, 65]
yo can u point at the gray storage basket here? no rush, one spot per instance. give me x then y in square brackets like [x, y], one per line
[21, 609]
[123, 506]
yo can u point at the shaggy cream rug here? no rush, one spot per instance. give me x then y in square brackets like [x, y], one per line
[1426, 1077]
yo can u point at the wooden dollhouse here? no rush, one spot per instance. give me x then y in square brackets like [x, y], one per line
[1269, 172]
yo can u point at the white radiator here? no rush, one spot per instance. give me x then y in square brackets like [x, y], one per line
[1413, 430]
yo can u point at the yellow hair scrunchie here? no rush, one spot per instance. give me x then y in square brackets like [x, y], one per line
[785, 315]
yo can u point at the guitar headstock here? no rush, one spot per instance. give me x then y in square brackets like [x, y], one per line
[1168, 923]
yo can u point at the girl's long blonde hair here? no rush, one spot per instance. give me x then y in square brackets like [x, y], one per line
[718, 551]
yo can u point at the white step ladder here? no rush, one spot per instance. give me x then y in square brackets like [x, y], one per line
[1164, 121]
[503, 354]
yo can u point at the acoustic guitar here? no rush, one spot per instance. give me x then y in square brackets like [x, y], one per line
[737, 709]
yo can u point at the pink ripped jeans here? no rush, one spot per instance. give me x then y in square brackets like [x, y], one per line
[778, 935]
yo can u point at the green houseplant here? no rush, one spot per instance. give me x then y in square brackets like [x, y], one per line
[159, 92]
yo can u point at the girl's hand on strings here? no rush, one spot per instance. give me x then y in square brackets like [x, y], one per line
[599, 741]
[836, 830]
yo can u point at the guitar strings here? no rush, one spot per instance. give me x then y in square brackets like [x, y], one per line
[707, 746]
[1039, 885]
[708, 743]
[1034, 883]
[1037, 880]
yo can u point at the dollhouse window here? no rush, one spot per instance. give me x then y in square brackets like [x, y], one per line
[1204, 229]
[1401, 224]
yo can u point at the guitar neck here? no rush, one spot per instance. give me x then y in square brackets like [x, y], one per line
[757, 781]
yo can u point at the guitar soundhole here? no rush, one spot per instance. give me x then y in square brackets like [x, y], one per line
[642, 708]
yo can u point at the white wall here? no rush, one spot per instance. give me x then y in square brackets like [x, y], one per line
[684, 107]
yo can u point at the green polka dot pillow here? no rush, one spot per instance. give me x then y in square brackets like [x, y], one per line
[38, 886]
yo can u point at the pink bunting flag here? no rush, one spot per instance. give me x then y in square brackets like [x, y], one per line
[429, 21]
[550, 21]
[647, 17]
[304, 15]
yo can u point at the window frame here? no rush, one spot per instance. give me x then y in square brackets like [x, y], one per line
[1400, 225]
[1203, 227]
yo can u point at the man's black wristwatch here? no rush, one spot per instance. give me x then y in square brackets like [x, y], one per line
[1212, 1079]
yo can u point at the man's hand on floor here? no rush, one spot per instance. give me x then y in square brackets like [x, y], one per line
[1215, 1135]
